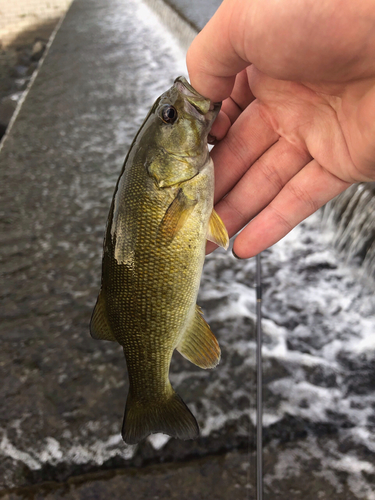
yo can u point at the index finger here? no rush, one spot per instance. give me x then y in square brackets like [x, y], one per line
[214, 59]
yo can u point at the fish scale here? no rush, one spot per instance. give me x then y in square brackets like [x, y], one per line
[154, 249]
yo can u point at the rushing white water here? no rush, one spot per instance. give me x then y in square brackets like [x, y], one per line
[351, 216]
[319, 348]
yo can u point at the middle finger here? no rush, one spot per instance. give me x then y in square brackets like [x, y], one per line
[260, 184]
[244, 143]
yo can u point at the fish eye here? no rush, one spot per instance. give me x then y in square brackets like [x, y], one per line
[169, 114]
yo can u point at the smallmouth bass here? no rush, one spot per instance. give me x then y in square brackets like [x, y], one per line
[154, 248]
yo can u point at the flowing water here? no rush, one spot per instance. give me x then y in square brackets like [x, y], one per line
[351, 216]
[319, 359]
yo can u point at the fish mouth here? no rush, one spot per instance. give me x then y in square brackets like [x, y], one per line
[183, 85]
[200, 103]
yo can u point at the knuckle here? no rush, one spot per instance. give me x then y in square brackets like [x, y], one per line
[281, 220]
[271, 175]
[233, 208]
[237, 147]
[302, 197]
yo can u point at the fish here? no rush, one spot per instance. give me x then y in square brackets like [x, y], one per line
[154, 247]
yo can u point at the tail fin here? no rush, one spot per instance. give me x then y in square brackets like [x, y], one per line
[170, 416]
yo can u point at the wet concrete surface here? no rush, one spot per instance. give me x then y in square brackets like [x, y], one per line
[195, 12]
[218, 477]
[211, 477]
[17, 65]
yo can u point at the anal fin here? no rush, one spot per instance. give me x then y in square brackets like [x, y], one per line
[99, 325]
[217, 232]
[199, 344]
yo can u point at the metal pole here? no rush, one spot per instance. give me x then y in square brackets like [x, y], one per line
[259, 381]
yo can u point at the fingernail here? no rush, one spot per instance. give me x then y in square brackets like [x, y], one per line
[235, 255]
[215, 105]
[211, 139]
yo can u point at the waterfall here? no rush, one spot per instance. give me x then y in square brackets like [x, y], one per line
[351, 215]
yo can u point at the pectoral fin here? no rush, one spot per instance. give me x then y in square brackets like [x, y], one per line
[175, 217]
[99, 326]
[199, 344]
[217, 232]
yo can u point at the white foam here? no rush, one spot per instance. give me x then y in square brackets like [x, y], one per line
[9, 450]
[52, 451]
[158, 440]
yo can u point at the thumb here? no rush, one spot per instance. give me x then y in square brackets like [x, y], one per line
[213, 59]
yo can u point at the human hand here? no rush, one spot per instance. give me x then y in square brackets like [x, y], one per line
[297, 127]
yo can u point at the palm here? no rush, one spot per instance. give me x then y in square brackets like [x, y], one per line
[305, 143]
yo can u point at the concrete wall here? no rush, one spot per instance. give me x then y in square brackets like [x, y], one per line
[22, 20]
